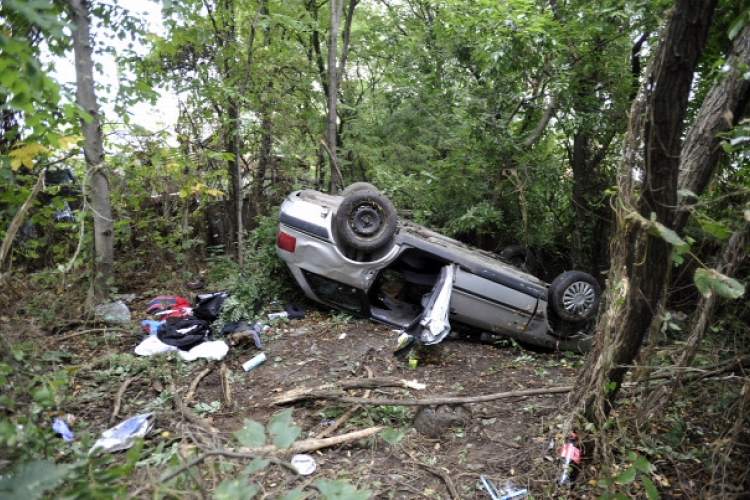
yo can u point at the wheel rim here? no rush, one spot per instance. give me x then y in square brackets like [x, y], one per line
[579, 298]
[366, 220]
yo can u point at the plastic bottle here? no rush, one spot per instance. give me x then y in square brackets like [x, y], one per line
[253, 362]
[570, 460]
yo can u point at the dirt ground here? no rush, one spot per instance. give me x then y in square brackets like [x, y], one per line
[458, 442]
[444, 449]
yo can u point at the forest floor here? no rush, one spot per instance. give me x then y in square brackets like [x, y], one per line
[443, 449]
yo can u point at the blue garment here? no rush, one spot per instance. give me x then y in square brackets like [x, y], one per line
[62, 428]
[150, 326]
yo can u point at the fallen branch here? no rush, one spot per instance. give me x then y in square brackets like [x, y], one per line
[437, 400]
[188, 415]
[196, 381]
[226, 388]
[118, 399]
[313, 444]
[346, 416]
[358, 383]
[442, 475]
[10, 234]
[212, 453]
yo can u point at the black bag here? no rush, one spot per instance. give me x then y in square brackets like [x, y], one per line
[184, 333]
[208, 305]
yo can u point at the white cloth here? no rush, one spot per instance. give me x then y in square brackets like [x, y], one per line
[215, 350]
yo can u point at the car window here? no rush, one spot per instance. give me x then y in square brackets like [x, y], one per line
[337, 294]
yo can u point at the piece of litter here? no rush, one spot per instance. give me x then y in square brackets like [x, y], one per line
[342, 336]
[123, 435]
[254, 361]
[62, 428]
[305, 464]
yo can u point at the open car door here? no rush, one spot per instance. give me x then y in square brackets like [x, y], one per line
[434, 324]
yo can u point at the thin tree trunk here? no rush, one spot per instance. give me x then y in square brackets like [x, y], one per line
[235, 172]
[336, 10]
[641, 261]
[98, 189]
[721, 110]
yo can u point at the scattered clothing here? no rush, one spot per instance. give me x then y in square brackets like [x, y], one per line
[213, 350]
[208, 306]
[184, 333]
[123, 435]
[150, 326]
[62, 428]
[161, 303]
[242, 326]
[294, 311]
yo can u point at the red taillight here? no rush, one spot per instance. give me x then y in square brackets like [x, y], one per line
[286, 242]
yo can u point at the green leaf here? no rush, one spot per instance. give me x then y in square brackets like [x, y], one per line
[710, 280]
[280, 428]
[392, 436]
[234, 489]
[340, 490]
[739, 24]
[651, 492]
[256, 465]
[686, 193]
[717, 229]
[642, 464]
[253, 435]
[605, 482]
[295, 494]
[626, 477]
[31, 480]
[662, 231]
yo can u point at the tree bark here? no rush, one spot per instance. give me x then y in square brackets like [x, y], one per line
[336, 10]
[235, 173]
[98, 186]
[641, 261]
[721, 110]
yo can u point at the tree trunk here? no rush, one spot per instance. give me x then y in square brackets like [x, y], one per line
[98, 185]
[641, 261]
[336, 8]
[265, 162]
[720, 111]
[235, 172]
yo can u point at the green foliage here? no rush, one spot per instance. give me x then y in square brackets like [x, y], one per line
[30, 480]
[339, 490]
[263, 278]
[709, 281]
[635, 467]
[280, 428]
[282, 431]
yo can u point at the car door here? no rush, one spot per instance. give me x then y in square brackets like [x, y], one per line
[495, 306]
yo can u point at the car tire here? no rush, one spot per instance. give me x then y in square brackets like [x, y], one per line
[358, 186]
[515, 255]
[574, 296]
[366, 220]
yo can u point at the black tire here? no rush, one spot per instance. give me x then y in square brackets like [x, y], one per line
[574, 296]
[358, 186]
[515, 255]
[366, 220]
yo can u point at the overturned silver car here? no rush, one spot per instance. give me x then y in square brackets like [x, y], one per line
[353, 253]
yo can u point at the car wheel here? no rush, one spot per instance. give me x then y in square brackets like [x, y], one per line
[358, 186]
[515, 255]
[366, 220]
[574, 296]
